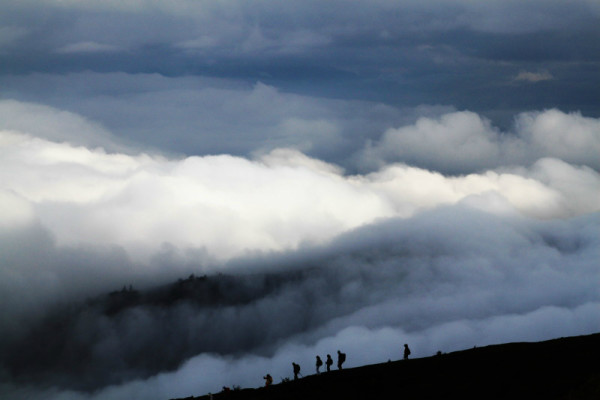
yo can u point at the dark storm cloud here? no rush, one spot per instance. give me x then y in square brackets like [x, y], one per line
[383, 51]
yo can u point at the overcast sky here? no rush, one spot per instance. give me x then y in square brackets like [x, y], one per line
[431, 169]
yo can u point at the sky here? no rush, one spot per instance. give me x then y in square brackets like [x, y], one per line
[363, 173]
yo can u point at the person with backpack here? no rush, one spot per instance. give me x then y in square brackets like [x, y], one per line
[406, 351]
[268, 380]
[341, 359]
[319, 363]
[329, 362]
[296, 370]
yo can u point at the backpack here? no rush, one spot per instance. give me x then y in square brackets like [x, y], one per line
[342, 357]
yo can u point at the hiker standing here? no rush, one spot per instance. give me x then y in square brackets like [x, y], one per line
[329, 362]
[406, 352]
[268, 380]
[341, 359]
[319, 363]
[296, 370]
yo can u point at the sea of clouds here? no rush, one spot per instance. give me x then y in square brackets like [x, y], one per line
[448, 233]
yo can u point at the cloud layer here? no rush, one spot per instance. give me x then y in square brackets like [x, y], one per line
[196, 115]
[399, 254]
[405, 53]
[230, 205]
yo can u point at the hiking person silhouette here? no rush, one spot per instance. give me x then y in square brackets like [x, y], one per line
[341, 359]
[329, 362]
[296, 370]
[406, 351]
[268, 379]
[319, 363]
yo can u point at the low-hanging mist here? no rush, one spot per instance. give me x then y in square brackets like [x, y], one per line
[444, 280]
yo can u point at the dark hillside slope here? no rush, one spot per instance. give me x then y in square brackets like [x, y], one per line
[565, 368]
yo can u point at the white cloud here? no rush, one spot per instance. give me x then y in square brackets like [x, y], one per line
[571, 137]
[56, 125]
[457, 140]
[279, 200]
[461, 142]
[225, 203]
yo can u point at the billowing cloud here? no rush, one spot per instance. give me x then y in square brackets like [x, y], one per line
[570, 137]
[463, 141]
[230, 204]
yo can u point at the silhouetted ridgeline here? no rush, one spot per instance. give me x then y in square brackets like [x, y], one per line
[565, 368]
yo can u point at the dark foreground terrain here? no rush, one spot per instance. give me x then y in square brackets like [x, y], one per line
[565, 368]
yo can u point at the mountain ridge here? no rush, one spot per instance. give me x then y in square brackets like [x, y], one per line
[562, 368]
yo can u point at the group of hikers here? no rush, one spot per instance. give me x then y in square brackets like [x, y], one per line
[328, 363]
